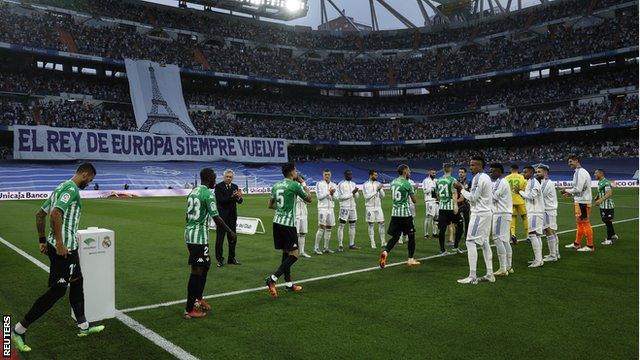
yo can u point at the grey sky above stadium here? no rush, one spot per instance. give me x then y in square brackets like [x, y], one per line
[359, 10]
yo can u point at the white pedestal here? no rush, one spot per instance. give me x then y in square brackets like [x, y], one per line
[96, 249]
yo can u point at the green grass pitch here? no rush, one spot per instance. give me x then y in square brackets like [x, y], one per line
[585, 306]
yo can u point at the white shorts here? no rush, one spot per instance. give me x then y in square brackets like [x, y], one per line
[479, 228]
[375, 215]
[501, 227]
[536, 223]
[348, 215]
[326, 217]
[550, 220]
[302, 225]
[432, 208]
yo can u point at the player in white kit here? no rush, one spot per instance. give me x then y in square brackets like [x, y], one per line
[373, 194]
[412, 210]
[480, 198]
[302, 226]
[501, 220]
[347, 194]
[431, 204]
[535, 214]
[550, 199]
[326, 217]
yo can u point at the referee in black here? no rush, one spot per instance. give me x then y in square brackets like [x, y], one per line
[228, 195]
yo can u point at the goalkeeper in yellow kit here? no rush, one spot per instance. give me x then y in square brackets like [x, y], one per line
[517, 182]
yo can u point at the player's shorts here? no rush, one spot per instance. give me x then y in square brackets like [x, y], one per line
[63, 269]
[401, 225]
[285, 237]
[432, 208]
[374, 215]
[582, 211]
[447, 217]
[606, 214]
[302, 225]
[551, 220]
[536, 223]
[500, 227]
[326, 217]
[479, 227]
[348, 215]
[520, 210]
[199, 255]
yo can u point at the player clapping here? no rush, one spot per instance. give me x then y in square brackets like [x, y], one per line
[347, 193]
[373, 194]
[535, 212]
[550, 199]
[501, 220]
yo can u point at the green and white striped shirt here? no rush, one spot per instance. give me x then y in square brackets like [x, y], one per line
[284, 194]
[444, 187]
[65, 197]
[604, 186]
[401, 189]
[201, 205]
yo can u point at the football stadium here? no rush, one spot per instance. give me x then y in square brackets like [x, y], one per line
[319, 179]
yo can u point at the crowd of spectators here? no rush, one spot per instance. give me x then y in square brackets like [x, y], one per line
[557, 41]
[220, 25]
[555, 151]
[64, 113]
[466, 97]
[419, 129]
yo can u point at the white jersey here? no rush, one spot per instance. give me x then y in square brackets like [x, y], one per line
[533, 197]
[549, 195]
[372, 196]
[502, 201]
[345, 194]
[301, 205]
[325, 199]
[481, 194]
[428, 185]
[581, 189]
[412, 206]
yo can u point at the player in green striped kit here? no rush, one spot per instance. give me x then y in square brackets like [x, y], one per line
[401, 219]
[285, 236]
[448, 213]
[201, 205]
[63, 206]
[605, 201]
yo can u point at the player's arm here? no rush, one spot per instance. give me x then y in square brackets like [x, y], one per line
[271, 204]
[344, 195]
[608, 194]
[413, 198]
[303, 193]
[369, 191]
[56, 227]
[322, 191]
[531, 192]
[41, 217]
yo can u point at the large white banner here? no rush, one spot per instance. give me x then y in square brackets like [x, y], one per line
[49, 143]
[156, 95]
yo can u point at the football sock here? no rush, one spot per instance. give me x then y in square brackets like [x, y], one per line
[588, 230]
[192, 291]
[382, 234]
[525, 222]
[507, 246]
[285, 266]
[441, 236]
[319, 236]
[352, 234]
[20, 329]
[536, 244]
[76, 300]
[287, 272]
[340, 234]
[514, 218]
[427, 224]
[551, 241]
[487, 254]
[301, 241]
[371, 232]
[502, 253]
[327, 238]
[411, 245]
[391, 243]
[472, 257]
[458, 230]
[434, 227]
[202, 283]
[43, 304]
[610, 231]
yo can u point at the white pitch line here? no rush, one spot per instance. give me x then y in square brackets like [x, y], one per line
[147, 333]
[373, 268]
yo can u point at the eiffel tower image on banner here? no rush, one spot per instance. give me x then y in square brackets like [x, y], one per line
[158, 100]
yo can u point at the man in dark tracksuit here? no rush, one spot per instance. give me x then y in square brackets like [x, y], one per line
[228, 195]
